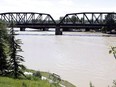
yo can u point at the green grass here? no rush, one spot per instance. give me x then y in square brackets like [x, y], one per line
[63, 82]
[10, 82]
[31, 82]
[46, 74]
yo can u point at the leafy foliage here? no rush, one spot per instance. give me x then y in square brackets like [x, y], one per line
[110, 22]
[91, 85]
[113, 51]
[37, 74]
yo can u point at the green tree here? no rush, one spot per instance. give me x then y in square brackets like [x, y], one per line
[3, 48]
[74, 19]
[10, 60]
[37, 74]
[16, 60]
[61, 18]
[110, 22]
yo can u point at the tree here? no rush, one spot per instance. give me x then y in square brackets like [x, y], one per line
[16, 66]
[37, 74]
[110, 22]
[3, 48]
[61, 18]
[74, 19]
[10, 61]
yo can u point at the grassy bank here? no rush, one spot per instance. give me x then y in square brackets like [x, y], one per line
[10, 82]
[46, 74]
[63, 82]
[32, 81]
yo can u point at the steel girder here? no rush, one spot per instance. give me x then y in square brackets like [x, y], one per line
[26, 18]
[33, 19]
[88, 18]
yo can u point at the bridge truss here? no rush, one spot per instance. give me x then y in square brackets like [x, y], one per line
[87, 19]
[27, 19]
[84, 20]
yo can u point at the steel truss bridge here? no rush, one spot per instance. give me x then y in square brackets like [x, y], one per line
[84, 20]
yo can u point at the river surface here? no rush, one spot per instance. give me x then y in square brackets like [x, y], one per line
[79, 57]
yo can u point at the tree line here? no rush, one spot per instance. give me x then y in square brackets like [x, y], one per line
[10, 60]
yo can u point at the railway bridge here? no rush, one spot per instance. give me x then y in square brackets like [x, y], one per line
[86, 20]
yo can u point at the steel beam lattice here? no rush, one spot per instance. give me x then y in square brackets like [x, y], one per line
[87, 19]
[27, 18]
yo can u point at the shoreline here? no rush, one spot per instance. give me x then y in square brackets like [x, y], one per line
[45, 75]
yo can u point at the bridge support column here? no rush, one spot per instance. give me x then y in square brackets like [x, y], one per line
[87, 29]
[45, 29]
[58, 30]
[22, 29]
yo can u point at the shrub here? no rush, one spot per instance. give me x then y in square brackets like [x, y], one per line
[37, 74]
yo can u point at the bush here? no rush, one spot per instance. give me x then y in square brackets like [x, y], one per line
[37, 74]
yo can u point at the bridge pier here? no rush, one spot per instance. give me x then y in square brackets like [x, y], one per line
[58, 30]
[87, 29]
[22, 29]
[45, 29]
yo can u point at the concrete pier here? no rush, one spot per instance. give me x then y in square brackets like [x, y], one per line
[45, 29]
[87, 29]
[58, 30]
[22, 29]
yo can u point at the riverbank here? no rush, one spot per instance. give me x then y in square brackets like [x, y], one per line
[32, 80]
[10, 82]
[46, 75]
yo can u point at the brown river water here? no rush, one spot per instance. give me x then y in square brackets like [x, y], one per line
[79, 57]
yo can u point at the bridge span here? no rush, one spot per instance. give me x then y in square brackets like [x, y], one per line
[86, 20]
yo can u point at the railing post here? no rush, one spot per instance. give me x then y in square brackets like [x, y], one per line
[58, 30]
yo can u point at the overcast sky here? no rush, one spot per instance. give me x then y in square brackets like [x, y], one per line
[57, 8]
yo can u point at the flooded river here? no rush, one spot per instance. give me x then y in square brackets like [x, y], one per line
[78, 57]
